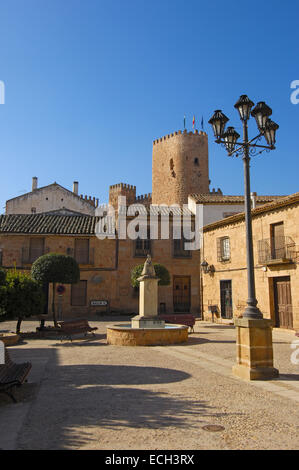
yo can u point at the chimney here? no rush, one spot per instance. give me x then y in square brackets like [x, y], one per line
[34, 183]
[253, 200]
[75, 187]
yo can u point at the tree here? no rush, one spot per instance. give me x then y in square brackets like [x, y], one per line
[55, 268]
[161, 272]
[21, 297]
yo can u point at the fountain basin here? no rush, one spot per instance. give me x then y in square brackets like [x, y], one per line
[125, 335]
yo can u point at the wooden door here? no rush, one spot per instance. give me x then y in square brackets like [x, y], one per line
[226, 299]
[283, 302]
[181, 294]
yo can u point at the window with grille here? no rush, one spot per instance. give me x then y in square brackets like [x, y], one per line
[143, 247]
[36, 248]
[223, 249]
[82, 250]
[79, 294]
[179, 248]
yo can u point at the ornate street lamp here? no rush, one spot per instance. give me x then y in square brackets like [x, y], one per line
[261, 113]
[229, 139]
[244, 105]
[218, 122]
[270, 132]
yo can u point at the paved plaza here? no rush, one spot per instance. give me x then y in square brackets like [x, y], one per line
[89, 395]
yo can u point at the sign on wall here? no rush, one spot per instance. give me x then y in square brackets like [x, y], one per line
[99, 303]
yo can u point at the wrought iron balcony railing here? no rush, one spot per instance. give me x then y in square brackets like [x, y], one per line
[276, 249]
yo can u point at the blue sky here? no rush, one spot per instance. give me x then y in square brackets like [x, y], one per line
[89, 84]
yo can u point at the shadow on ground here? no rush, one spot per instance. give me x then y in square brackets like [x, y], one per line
[76, 402]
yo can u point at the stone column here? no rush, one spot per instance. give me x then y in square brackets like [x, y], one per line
[254, 349]
[148, 299]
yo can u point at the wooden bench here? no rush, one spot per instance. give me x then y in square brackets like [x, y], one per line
[74, 327]
[180, 319]
[12, 375]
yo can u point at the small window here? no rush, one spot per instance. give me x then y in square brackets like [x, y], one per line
[196, 161]
[143, 247]
[82, 250]
[223, 249]
[79, 294]
[33, 210]
[36, 248]
[179, 248]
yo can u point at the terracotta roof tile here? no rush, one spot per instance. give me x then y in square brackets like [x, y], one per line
[43, 224]
[222, 199]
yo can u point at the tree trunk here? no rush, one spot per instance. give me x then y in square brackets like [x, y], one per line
[53, 305]
[18, 328]
[42, 324]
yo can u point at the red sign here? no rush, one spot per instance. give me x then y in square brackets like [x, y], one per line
[60, 289]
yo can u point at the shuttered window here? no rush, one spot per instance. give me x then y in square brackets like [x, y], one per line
[36, 248]
[82, 250]
[79, 294]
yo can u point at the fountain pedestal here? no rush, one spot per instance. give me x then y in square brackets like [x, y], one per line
[148, 299]
[146, 329]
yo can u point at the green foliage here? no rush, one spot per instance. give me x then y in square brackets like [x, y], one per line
[54, 267]
[161, 272]
[20, 296]
[2, 276]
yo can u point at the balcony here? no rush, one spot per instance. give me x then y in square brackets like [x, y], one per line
[277, 251]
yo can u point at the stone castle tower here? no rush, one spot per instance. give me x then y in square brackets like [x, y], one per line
[180, 167]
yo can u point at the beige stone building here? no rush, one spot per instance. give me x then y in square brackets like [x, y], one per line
[276, 255]
[52, 198]
[105, 265]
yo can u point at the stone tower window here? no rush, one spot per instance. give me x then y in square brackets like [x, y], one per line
[196, 161]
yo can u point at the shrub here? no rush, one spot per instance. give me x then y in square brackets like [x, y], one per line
[161, 272]
[55, 268]
[20, 297]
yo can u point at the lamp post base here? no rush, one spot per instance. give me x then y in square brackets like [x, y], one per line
[252, 312]
[254, 349]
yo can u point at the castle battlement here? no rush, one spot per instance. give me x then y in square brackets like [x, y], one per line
[184, 133]
[144, 198]
[122, 186]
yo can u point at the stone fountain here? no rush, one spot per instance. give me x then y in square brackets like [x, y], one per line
[147, 329]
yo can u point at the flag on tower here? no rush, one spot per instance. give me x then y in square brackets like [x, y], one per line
[202, 123]
[193, 122]
[184, 122]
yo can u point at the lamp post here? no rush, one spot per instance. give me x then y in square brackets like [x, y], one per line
[254, 333]
[229, 138]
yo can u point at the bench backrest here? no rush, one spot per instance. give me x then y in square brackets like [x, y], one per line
[74, 323]
[8, 360]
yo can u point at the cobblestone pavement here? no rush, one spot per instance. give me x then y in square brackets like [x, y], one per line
[89, 395]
